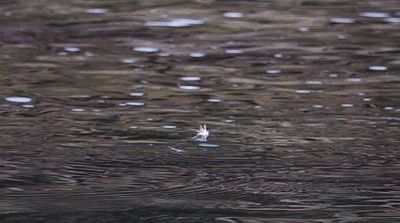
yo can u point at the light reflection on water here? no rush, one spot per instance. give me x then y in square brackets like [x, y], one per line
[100, 102]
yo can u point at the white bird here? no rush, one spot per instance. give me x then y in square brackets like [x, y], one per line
[202, 134]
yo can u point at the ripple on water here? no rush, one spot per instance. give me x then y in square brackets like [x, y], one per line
[214, 100]
[17, 99]
[367, 99]
[190, 78]
[273, 71]
[347, 105]
[314, 82]
[333, 75]
[134, 103]
[189, 87]
[341, 20]
[77, 109]
[208, 145]
[342, 36]
[72, 49]
[377, 68]
[88, 54]
[136, 94]
[144, 49]
[128, 60]
[169, 126]
[164, 54]
[303, 29]
[394, 20]
[233, 51]
[197, 54]
[374, 14]
[303, 91]
[96, 11]
[233, 15]
[353, 79]
[175, 23]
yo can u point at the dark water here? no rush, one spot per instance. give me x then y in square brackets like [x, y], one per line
[100, 99]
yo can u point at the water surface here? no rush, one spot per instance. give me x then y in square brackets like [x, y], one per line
[100, 100]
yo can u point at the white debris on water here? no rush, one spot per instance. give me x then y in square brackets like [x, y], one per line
[202, 134]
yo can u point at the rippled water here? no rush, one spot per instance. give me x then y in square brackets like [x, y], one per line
[101, 99]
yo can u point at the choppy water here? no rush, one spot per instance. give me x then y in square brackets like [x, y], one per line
[100, 100]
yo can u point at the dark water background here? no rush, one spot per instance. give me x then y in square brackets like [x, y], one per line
[302, 99]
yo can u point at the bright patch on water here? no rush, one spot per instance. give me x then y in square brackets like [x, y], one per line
[374, 14]
[303, 29]
[347, 105]
[189, 87]
[134, 103]
[197, 55]
[78, 110]
[314, 82]
[273, 71]
[233, 51]
[144, 49]
[88, 54]
[17, 99]
[394, 20]
[128, 60]
[72, 49]
[208, 145]
[175, 23]
[96, 11]
[303, 91]
[169, 126]
[317, 106]
[342, 20]
[233, 14]
[377, 68]
[333, 75]
[136, 94]
[353, 79]
[28, 106]
[191, 78]
[388, 108]
[214, 100]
